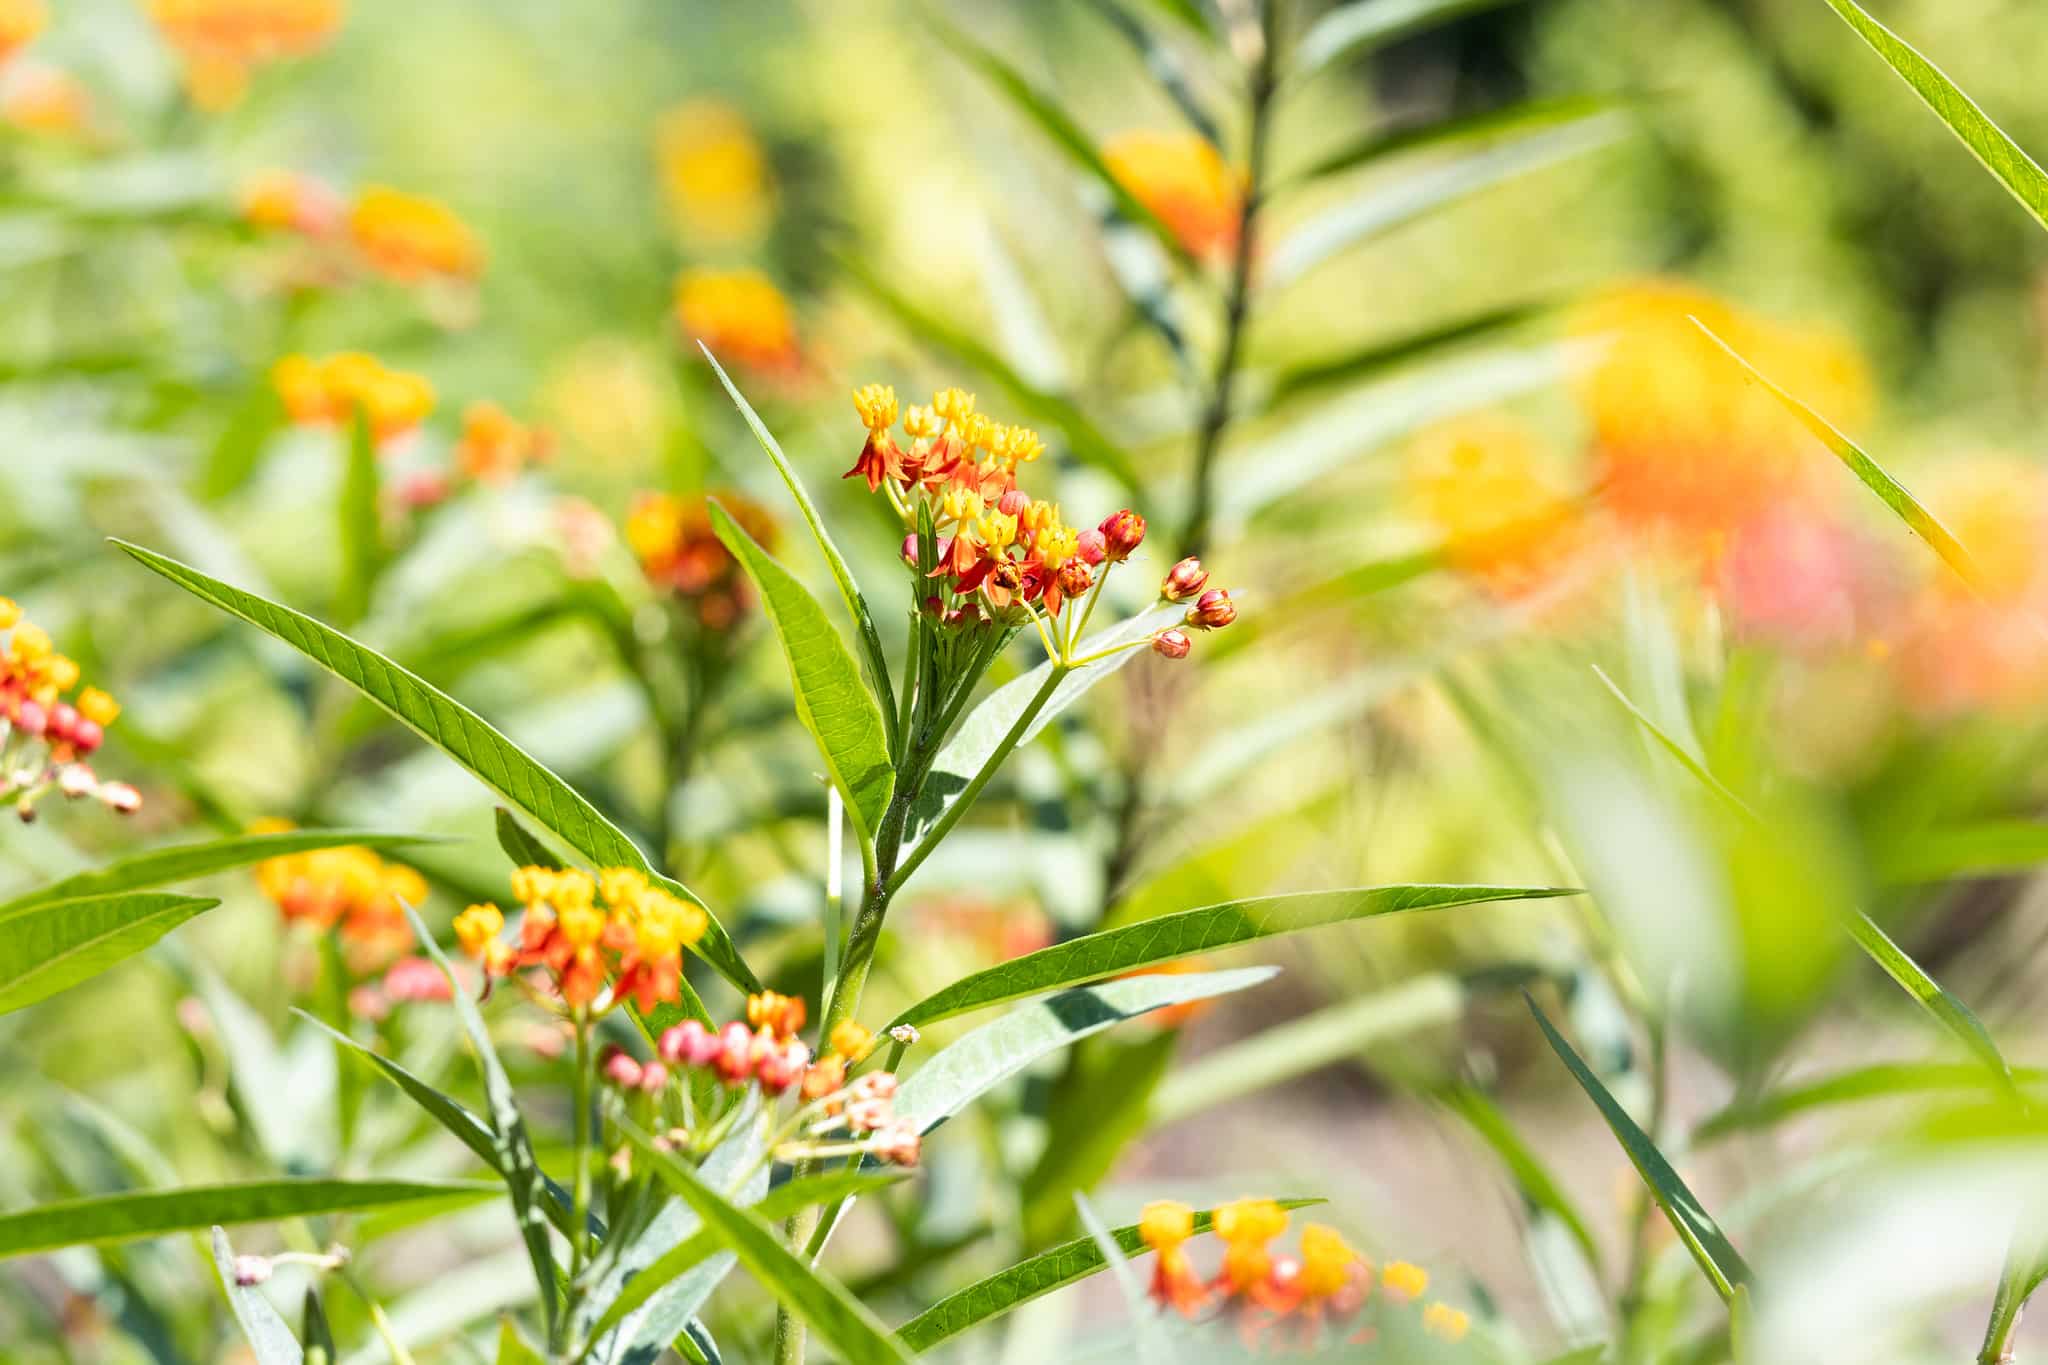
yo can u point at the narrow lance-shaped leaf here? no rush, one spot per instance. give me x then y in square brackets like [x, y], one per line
[1889, 490]
[873, 659]
[49, 948]
[138, 1214]
[1357, 27]
[318, 1336]
[995, 1295]
[520, 845]
[458, 732]
[1717, 1258]
[998, 1050]
[1378, 356]
[1188, 932]
[1993, 848]
[514, 1349]
[839, 1319]
[2018, 172]
[362, 525]
[184, 862]
[1381, 143]
[269, 1338]
[839, 712]
[514, 1159]
[1883, 1080]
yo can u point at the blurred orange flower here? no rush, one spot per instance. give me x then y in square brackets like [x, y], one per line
[1182, 179]
[741, 316]
[410, 238]
[331, 390]
[713, 173]
[494, 446]
[1480, 482]
[350, 890]
[672, 538]
[45, 99]
[286, 201]
[20, 22]
[219, 41]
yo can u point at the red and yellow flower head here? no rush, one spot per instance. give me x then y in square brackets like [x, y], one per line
[350, 890]
[1182, 179]
[616, 928]
[671, 536]
[287, 201]
[332, 390]
[741, 316]
[220, 41]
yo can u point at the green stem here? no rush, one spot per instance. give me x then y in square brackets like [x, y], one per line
[579, 1215]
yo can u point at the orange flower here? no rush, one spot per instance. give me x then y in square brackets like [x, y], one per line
[494, 447]
[585, 930]
[1181, 1015]
[20, 22]
[781, 1015]
[409, 238]
[672, 538]
[1165, 1228]
[1502, 520]
[1182, 179]
[741, 316]
[333, 389]
[45, 739]
[45, 99]
[286, 201]
[221, 40]
[350, 890]
[1686, 444]
[713, 172]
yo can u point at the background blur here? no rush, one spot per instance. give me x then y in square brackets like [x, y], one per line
[1435, 546]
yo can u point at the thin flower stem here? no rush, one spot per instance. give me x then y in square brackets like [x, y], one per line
[1080, 622]
[580, 1155]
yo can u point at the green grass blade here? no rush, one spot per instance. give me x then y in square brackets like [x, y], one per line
[135, 1215]
[270, 1340]
[184, 862]
[840, 1320]
[1889, 490]
[513, 1150]
[514, 1349]
[1716, 1257]
[458, 732]
[835, 707]
[1951, 1013]
[1377, 357]
[319, 1336]
[50, 948]
[1990, 849]
[959, 1074]
[873, 659]
[1687, 759]
[2018, 172]
[362, 524]
[1883, 1080]
[997, 1294]
[1358, 27]
[1188, 932]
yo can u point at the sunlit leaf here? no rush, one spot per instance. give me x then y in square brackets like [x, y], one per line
[1993, 848]
[960, 1073]
[1883, 1080]
[239, 448]
[1717, 1258]
[184, 862]
[52, 947]
[840, 1320]
[834, 706]
[1056, 1268]
[134, 1215]
[2000, 155]
[1951, 1013]
[513, 1150]
[514, 1349]
[1357, 27]
[1889, 490]
[873, 660]
[1188, 932]
[269, 1338]
[458, 732]
[520, 844]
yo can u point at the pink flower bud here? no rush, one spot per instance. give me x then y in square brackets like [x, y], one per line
[653, 1077]
[32, 720]
[866, 1115]
[1013, 503]
[1091, 546]
[367, 1002]
[689, 1044]
[898, 1144]
[1122, 533]
[875, 1085]
[735, 1053]
[87, 735]
[63, 722]
[1213, 610]
[620, 1069]
[1171, 644]
[1186, 579]
[783, 1066]
[909, 550]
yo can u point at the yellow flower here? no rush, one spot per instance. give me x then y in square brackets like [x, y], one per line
[851, 1040]
[10, 613]
[876, 404]
[410, 238]
[954, 406]
[1182, 179]
[1164, 1224]
[1480, 482]
[1404, 1280]
[478, 927]
[1446, 1323]
[334, 389]
[97, 707]
[220, 40]
[713, 172]
[1326, 1260]
[20, 22]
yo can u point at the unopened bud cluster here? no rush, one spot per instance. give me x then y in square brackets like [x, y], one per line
[1209, 608]
[45, 736]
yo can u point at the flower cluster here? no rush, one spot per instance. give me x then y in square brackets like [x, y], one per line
[333, 389]
[20, 22]
[410, 238]
[45, 738]
[1181, 178]
[742, 317]
[714, 174]
[834, 1117]
[672, 538]
[221, 41]
[495, 446]
[617, 926]
[1325, 1285]
[350, 891]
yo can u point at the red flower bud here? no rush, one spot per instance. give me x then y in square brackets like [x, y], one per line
[1091, 546]
[1171, 644]
[689, 1044]
[910, 549]
[86, 736]
[1213, 610]
[1122, 533]
[1076, 577]
[1186, 579]
[653, 1077]
[63, 723]
[1013, 503]
[621, 1070]
[32, 719]
[735, 1053]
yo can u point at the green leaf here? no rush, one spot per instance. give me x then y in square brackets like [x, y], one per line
[1163, 63]
[1889, 490]
[1148, 1335]
[1951, 1013]
[458, 732]
[1538, 1186]
[1362, 26]
[873, 659]
[239, 449]
[269, 1338]
[1042, 405]
[1057, 1268]
[137, 1214]
[512, 1150]
[1336, 1033]
[1046, 114]
[996, 1051]
[2000, 155]
[790, 1197]
[1717, 1259]
[319, 1337]
[840, 1320]
[1883, 1080]
[1380, 207]
[520, 844]
[45, 949]
[1379, 356]
[514, 1349]
[839, 712]
[1687, 759]
[1381, 144]
[1188, 932]
[362, 524]
[183, 862]
[1187, 13]
[1990, 849]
